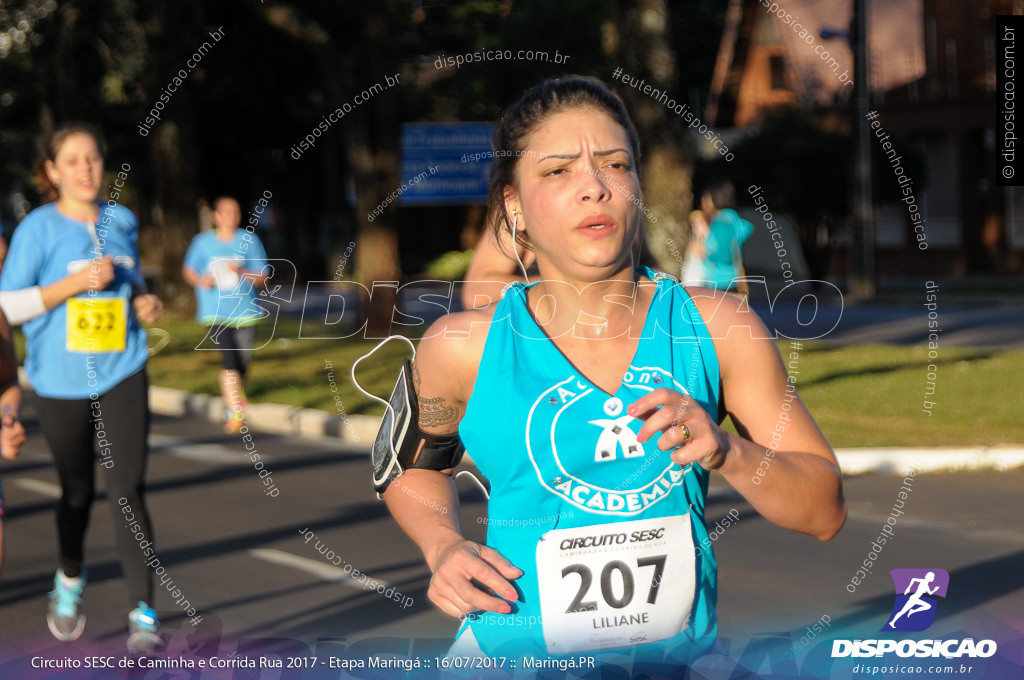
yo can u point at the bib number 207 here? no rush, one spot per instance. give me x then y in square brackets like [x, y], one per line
[638, 592]
[607, 589]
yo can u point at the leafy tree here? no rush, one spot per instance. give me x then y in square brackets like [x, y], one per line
[231, 126]
[805, 171]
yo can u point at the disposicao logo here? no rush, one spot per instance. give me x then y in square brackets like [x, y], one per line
[914, 611]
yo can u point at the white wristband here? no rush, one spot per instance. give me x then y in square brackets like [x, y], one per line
[22, 305]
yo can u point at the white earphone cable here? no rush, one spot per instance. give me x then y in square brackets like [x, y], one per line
[515, 248]
[389, 407]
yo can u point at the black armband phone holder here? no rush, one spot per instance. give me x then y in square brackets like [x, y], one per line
[401, 445]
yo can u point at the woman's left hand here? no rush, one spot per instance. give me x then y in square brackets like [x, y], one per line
[148, 307]
[684, 426]
[12, 436]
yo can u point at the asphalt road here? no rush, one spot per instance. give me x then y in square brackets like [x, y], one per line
[240, 556]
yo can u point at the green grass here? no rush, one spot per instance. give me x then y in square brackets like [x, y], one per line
[864, 395]
[286, 368]
[872, 395]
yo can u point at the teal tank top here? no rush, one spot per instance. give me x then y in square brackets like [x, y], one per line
[608, 529]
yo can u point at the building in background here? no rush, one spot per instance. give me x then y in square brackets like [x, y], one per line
[932, 80]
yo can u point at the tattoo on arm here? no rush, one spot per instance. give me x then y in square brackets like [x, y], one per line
[437, 412]
[417, 379]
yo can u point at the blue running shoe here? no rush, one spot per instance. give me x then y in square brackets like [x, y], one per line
[64, 617]
[143, 630]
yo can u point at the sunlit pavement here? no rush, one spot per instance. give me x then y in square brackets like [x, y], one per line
[241, 558]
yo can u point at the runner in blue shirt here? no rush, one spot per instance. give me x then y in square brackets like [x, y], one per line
[225, 266]
[591, 399]
[72, 278]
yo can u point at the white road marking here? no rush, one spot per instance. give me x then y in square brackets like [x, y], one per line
[203, 453]
[962, 528]
[327, 572]
[48, 489]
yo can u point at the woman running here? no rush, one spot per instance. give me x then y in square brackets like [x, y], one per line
[225, 267]
[73, 279]
[591, 400]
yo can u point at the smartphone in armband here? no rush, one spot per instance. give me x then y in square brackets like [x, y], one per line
[393, 428]
[400, 444]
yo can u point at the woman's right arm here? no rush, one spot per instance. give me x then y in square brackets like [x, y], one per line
[23, 299]
[24, 304]
[96, 276]
[425, 502]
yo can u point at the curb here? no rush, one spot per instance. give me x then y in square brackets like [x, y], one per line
[275, 418]
[359, 429]
[899, 460]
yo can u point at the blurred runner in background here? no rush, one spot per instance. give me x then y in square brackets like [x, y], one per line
[224, 266]
[723, 260]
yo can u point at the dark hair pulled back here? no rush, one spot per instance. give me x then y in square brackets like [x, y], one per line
[523, 117]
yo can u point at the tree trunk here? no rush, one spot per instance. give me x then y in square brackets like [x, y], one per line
[373, 148]
[175, 215]
[640, 42]
[174, 152]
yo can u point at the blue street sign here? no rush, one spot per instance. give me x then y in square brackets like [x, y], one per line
[445, 163]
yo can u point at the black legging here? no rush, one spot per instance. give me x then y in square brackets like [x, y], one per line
[70, 430]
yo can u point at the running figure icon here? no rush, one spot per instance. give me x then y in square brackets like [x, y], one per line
[915, 604]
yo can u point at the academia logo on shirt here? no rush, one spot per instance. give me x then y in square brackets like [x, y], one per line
[914, 611]
[915, 606]
[593, 430]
